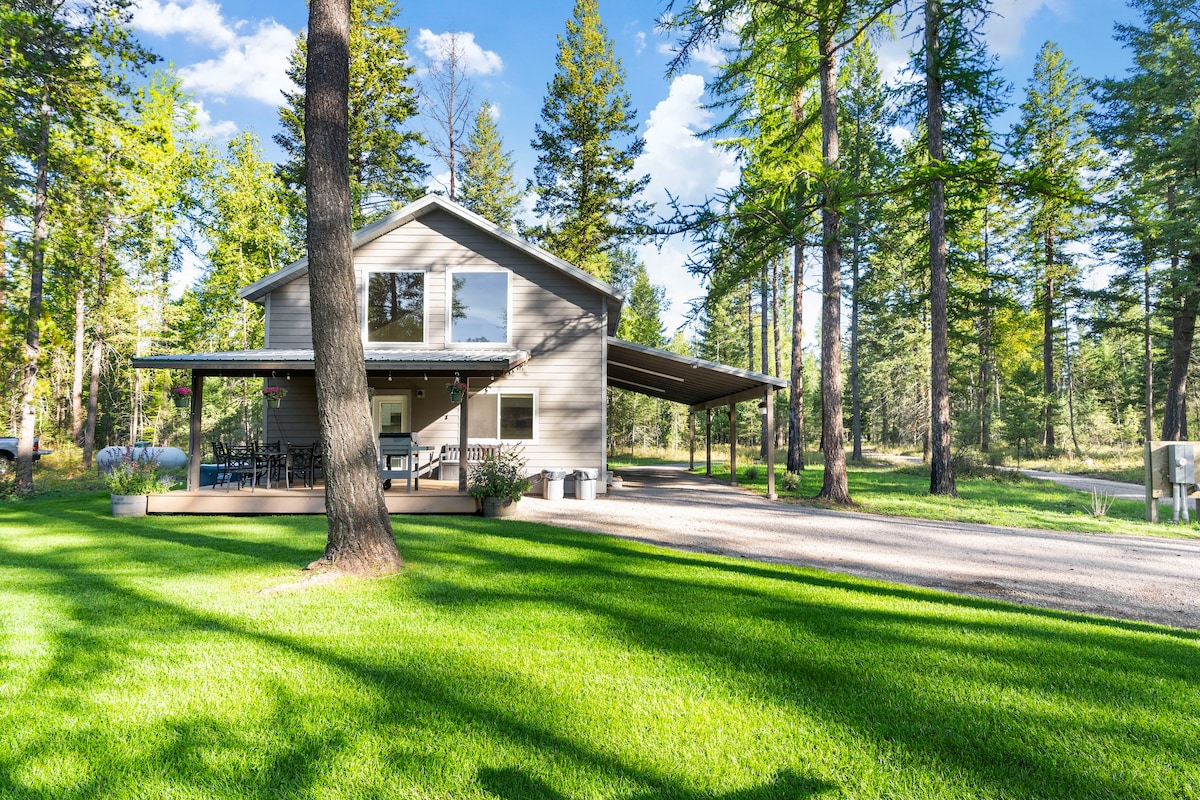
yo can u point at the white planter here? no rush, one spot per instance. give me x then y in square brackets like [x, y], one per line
[129, 505]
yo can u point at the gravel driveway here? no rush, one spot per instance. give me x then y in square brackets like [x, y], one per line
[1138, 578]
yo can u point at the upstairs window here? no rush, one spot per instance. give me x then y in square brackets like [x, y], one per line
[479, 307]
[396, 307]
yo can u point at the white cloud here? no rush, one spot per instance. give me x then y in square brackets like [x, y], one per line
[711, 55]
[691, 168]
[254, 66]
[198, 20]
[250, 60]
[639, 42]
[219, 131]
[1006, 28]
[474, 59]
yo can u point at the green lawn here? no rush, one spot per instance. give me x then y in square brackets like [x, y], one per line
[1009, 500]
[513, 660]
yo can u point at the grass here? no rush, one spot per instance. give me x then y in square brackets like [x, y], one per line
[513, 660]
[1003, 498]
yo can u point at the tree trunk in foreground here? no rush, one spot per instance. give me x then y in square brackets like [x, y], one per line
[941, 475]
[1183, 334]
[360, 531]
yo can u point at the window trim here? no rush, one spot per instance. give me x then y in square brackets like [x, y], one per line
[499, 394]
[367, 272]
[508, 305]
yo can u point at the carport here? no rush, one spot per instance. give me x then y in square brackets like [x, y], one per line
[701, 386]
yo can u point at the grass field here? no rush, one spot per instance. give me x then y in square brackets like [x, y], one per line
[512, 660]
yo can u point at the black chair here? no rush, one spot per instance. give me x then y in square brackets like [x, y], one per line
[222, 460]
[301, 464]
[245, 465]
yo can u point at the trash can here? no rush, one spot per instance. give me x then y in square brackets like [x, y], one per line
[585, 484]
[552, 483]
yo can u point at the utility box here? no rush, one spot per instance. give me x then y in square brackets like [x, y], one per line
[1181, 464]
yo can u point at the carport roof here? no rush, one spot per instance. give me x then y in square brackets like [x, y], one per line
[694, 382]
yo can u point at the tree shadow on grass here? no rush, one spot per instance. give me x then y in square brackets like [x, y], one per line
[509, 783]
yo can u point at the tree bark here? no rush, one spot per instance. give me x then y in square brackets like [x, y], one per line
[835, 486]
[984, 409]
[764, 359]
[941, 475]
[1183, 333]
[77, 355]
[1050, 385]
[795, 452]
[776, 264]
[1147, 349]
[28, 422]
[89, 427]
[360, 531]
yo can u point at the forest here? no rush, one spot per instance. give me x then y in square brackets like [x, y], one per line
[956, 264]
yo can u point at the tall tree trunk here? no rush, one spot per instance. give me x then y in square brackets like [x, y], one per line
[3, 261]
[984, 409]
[1070, 379]
[28, 422]
[855, 376]
[750, 325]
[941, 475]
[1147, 349]
[795, 452]
[1050, 385]
[93, 401]
[835, 486]
[1183, 332]
[360, 531]
[776, 266]
[765, 289]
[77, 355]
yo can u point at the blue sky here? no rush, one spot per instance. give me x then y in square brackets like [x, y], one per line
[232, 55]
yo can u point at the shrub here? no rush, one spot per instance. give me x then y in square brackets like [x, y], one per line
[751, 472]
[790, 481]
[138, 472]
[499, 475]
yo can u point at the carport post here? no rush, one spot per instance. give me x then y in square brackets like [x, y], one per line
[708, 442]
[195, 439]
[462, 438]
[770, 446]
[691, 440]
[733, 444]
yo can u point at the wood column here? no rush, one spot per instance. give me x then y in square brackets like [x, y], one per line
[770, 416]
[708, 442]
[733, 444]
[195, 442]
[462, 438]
[691, 440]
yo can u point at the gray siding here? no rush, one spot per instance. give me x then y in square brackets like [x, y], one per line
[559, 320]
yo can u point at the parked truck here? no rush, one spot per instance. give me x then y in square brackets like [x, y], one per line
[8, 448]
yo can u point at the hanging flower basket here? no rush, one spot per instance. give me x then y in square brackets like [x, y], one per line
[457, 390]
[273, 394]
[182, 395]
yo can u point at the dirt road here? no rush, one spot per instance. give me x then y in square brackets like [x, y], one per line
[1138, 578]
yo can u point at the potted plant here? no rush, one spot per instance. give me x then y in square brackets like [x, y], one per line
[457, 389]
[273, 395]
[132, 478]
[182, 395]
[498, 482]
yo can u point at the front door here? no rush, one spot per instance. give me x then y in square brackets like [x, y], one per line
[390, 413]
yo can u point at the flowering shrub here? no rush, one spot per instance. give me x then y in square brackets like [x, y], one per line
[500, 475]
[181, 391]
[138, 472]
[274, 392]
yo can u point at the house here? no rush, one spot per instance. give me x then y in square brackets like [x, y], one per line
[446, 295]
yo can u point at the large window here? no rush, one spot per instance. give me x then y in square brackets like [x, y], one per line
[501, 416]
[396, 307]
[479, 310]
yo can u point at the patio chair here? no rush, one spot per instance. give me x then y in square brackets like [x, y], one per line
[301, 464]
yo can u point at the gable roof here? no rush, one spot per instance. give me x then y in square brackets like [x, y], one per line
[258, 290]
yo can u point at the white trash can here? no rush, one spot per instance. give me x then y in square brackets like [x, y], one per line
[552, 483]
[585, 484]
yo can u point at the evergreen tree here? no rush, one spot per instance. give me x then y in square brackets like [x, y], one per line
[384, 172]
[486, 184]
[1054, 145]
[587, 145]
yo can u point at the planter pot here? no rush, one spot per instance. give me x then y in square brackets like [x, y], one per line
[129, 505]
[182, 402]
[456, 396]
[498, 506]
[272, 402]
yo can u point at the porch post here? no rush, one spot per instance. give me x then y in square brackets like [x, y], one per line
[770, 401]
[708, 442]
[733, 444]
[195, 443]
[462, 438]
[691, 440]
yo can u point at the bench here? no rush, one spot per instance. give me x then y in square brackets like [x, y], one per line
[448, 460]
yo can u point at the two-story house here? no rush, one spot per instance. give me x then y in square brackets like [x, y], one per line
[443, 295]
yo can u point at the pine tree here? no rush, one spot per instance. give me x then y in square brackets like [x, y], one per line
[1054, 145]
[587, 146]
[384, 172]
[485, 181]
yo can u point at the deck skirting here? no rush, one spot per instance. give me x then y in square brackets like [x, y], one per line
[301, 501]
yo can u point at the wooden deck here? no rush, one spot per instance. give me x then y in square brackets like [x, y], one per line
[434, 497]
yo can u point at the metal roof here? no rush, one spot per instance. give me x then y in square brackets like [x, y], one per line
[692, 381]
[249, 362]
